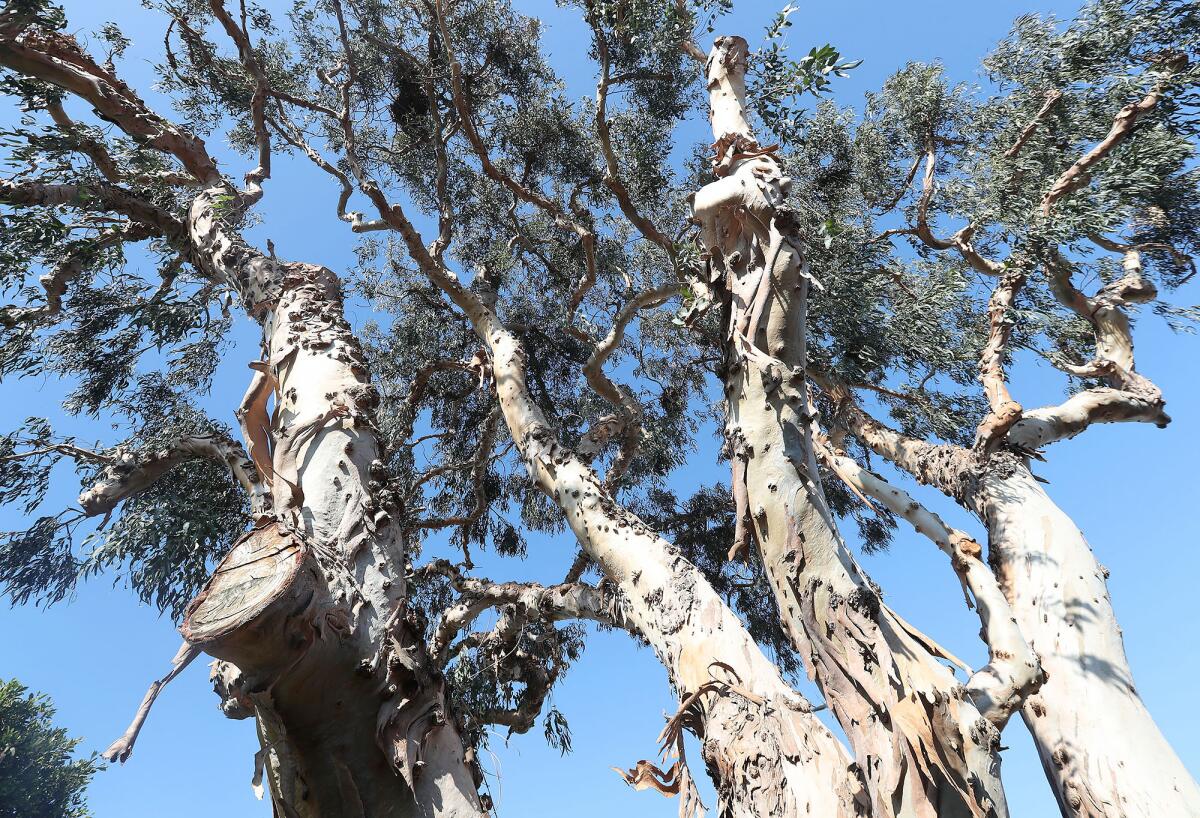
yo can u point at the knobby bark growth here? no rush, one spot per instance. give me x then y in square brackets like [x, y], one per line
[350, 712]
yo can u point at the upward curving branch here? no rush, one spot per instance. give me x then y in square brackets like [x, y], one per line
[1127, 395]
[58, 59]
[612, 175]
[629, 417]
[537, 198]
[1013, 672]
[1078, 174]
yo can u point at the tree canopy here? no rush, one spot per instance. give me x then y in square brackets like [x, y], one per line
[554, 297]
[40, 773]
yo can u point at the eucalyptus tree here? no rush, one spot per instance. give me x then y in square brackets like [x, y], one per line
[523, 247]
[1038, 217]
[326, 631]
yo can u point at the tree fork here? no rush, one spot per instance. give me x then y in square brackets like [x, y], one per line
[1050, 577]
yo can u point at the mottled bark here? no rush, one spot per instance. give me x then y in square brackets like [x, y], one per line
[1102, 751]
[326, 484]
[1013, 671]
[766, 752]
[349, 709]
[923, 746]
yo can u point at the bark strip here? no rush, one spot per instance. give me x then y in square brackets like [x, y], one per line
[922, 744]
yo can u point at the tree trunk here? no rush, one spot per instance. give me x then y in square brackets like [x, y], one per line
[353, 720]
[766, 752]
[350, 712]
[1102, 752]
[923, 746]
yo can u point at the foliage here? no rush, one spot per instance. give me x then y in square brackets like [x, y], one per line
[40, 777]
[142, 330]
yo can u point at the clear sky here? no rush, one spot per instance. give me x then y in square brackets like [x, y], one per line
[1129, 487]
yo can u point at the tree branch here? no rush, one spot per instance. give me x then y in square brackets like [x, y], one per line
[555, 210]
[552, 603]
[612, 175]
[130, 474]
[942, 466]
[97, 196]
[57, 58]
[628, 407]
[1013, 671]
[68, 268]
[258, 101]
[1078, 174]
[960, 241]
[1004, 411]
[1127, 395]
[1052, 96]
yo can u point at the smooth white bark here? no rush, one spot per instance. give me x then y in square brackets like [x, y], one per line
[1100, 747]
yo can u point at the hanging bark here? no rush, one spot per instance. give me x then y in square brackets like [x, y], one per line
[1118, 766]
[922, 744]
[345, 628]
[351, 718]
[765, 751]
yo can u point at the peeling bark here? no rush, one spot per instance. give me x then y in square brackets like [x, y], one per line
[349, 709]
[767, 754]
[326, 486]
[921, 743]
[1118, 765]
[1013, 672]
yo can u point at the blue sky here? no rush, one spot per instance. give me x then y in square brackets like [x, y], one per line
[1128, 487]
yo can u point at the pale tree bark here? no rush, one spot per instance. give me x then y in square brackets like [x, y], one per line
[1119, 766]
[1100, 747]
[351, 716]
[1102, 752]
[922, 743]
[1013, 672]
[766, 752]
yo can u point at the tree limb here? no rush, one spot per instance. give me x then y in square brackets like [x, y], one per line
[1078, 174]
[612, 175]
[130, 474]
[629, 409]
[1004, 411]
[58, 59]
[96, 196]
[1127, 394]
[1013, 672]
[72, 264]
[1052, 96]
[552, 603]
[540, 200]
